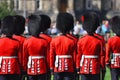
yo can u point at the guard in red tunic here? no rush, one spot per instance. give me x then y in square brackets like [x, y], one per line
[35, 51]
[103, 71]
[9, 48]
[19, 30]
[75, 40]
[113, 49]
[45, 24]
[63, 49]
[90, 58]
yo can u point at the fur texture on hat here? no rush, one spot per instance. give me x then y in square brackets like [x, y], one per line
[45, 22]
[65, 22]
[8, 25]
[19, 24]
[33, 25]
[115, 25]
[90, 22]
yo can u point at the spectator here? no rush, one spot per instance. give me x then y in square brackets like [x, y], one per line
[105, 27]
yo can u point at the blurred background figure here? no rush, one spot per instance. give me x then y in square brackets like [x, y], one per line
[78, 29]
[105, 29]
[26, 27]
[54, 30]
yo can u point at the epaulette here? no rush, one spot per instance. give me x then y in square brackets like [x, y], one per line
[47, 34]
[9, 37]
[97, 37]
[75, 36]
[15, 39]
[100, 36]
[70, 37]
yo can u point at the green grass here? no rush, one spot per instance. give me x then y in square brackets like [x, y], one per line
[107, 75]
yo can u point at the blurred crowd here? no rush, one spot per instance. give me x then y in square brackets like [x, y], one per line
[104, 29]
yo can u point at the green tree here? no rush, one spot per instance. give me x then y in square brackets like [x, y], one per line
[6, 9]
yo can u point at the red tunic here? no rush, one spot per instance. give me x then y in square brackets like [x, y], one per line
[48, 38]
[104, 45]
[90, 55]
[62, 54]
[34, 52]
[21, 39]
[73, 37]
[9, 63]
[75, 41]
[100, 36]
[113, 52]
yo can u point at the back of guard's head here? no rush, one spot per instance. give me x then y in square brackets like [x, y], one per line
[19, 24]
[90, 22]
[33, 25]
[45, 22]
[8, 26]
[65, 22]
[115, 25]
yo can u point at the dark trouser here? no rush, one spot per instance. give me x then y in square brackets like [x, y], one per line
[76, 76]
[24, 77]
[64, 76]
[48, 76]
[90, 76]
[103, 72]
[37, 77]
[115, 74]
[10, 77]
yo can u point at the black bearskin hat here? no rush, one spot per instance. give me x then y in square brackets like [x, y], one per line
[115, 24]
[45, 22]
[19, 24]
[33, 25]
[8, 26]
[65, 22]
[90, 22]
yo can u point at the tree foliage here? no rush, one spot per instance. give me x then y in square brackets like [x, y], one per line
[6, 8]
